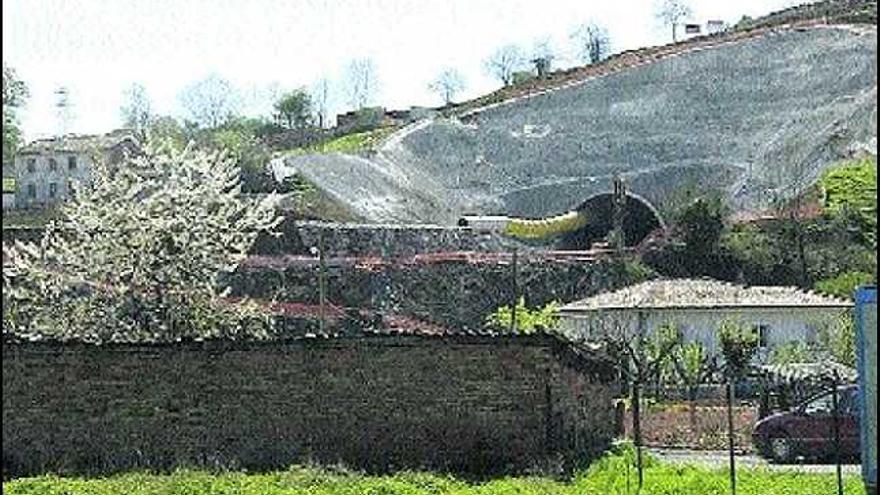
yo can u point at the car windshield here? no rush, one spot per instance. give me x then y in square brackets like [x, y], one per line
[824, 404]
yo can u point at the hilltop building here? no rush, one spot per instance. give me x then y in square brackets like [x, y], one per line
[43, 171]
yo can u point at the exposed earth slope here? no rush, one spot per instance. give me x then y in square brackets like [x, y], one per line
[751, 115]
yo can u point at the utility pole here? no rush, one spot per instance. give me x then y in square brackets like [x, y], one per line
[64, 110]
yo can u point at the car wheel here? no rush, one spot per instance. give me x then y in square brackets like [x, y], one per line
[781, 449]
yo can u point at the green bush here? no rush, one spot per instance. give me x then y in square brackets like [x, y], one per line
[527, 320]
[844, 285]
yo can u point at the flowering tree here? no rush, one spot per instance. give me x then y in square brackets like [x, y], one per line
[140, 255]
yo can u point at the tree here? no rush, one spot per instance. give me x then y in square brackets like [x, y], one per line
[593, 42]
[140, 255]
[210, 101]
[837, 339]
[671, 13]
[361, 81]
[447, 84]
[504, 62]
[641, 357]
[543, 55]
[137, 110]
[321, 107]
[739, 344]
[701, 224]
[295, 109]
[694, 367]
[527, 320]
[15, 93]
[167, 132]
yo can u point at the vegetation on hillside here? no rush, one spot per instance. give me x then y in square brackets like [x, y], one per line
[839, 243]
[357, 142]
[611, 475]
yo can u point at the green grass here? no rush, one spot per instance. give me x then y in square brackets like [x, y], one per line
[350, 143]
[609, 476]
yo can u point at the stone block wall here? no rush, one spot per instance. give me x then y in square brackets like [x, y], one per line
[299, 237]
[458, 293]
[463, 404]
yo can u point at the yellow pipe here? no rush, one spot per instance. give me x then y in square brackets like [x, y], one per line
[545, 227]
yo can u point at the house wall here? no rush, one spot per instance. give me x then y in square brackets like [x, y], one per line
[464, 404]
[8, 201]
[42, 176]
[785, 325]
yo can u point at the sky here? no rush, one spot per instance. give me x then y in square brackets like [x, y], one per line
[99, 48]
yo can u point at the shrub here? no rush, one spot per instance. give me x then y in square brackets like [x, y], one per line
[138, 255]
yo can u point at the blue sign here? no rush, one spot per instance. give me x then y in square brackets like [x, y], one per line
[866, 328]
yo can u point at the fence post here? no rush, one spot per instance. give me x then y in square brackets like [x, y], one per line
[731, 439]
[836, 402]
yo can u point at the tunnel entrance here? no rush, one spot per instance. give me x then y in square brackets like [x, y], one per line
[640, 219]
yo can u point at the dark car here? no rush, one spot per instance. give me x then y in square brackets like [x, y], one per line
[808, 430]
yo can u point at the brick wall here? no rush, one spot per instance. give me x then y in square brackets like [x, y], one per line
[472, 404]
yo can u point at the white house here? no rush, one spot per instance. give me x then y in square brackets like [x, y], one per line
[44, 170]
[697, 307]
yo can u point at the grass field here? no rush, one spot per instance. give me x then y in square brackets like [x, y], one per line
[610, 476]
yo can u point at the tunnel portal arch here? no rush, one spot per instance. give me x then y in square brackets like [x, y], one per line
[641, 218]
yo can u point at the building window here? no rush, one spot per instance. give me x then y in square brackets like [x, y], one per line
[53, 165]
[71, 163]
[31, 165]
[763, 334]
[53, 189]
[32, 190]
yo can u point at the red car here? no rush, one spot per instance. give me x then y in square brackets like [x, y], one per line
[808, 430]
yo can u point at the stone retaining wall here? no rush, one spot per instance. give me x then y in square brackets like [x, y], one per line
[464, 404]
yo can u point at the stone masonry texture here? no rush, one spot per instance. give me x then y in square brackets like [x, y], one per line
[456, 403]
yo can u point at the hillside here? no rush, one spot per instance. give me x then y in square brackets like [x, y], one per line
[747, 112]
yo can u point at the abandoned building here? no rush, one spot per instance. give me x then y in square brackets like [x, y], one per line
[411, 397]
[44, 171]
[697, 307]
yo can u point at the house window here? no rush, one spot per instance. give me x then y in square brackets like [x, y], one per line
[31, 165]
[763, 334]
[32, 190]
[71, 163]
[53, 165]
[53, 189]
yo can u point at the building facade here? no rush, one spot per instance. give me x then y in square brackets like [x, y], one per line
[698, 307]
[45, 171]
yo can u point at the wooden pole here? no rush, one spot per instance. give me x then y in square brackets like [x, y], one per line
[836, 402]
[731, 439]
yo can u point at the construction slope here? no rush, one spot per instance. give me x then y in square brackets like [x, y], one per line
[755, 117]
